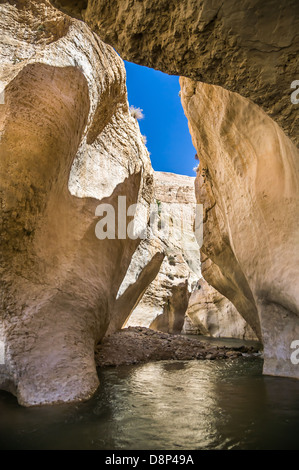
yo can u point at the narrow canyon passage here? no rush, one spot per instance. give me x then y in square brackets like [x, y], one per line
[246, 137]
[164, 304]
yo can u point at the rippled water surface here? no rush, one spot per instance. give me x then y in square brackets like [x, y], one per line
[165, 405]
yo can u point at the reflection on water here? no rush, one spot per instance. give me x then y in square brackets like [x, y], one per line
[165, 405]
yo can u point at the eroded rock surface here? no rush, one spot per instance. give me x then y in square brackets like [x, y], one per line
[248, 183]
[249, 47]
[211, 314]
[165, 301]
[68, 142]
[249, 167]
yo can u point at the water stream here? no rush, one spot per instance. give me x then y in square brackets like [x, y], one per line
[165, 405]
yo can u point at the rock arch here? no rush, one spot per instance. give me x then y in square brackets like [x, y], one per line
[250, 49]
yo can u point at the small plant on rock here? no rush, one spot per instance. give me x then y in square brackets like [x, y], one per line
[136, 113]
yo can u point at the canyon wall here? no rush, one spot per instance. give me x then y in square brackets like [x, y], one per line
[249, 47]
[248, 176]
[211, 314]
[248, 183]
[68, 143]
[177, 289]
[165, 301]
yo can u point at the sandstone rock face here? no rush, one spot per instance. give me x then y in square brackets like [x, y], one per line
[248, 183]
[171, 320]
[249, 168]
[68, 142]
[165, 301]
[211, 314]
[249, 47]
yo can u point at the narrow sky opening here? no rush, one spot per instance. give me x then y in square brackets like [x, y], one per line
[164, 125]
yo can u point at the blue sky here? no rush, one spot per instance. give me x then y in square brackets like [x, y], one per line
[165, 124]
